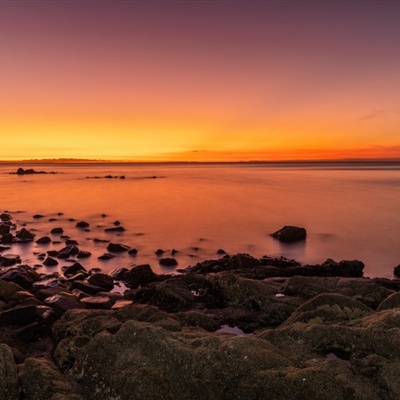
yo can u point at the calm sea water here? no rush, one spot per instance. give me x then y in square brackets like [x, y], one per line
[351, 211]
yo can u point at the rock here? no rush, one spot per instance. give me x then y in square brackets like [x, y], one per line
[121, 304]
[244, 261]
[7, 238]
[9, 385]
[22, 275]
[392, 301]
[4, 228]
[116, 247]
[57, 231]
[97, 240]
[102, 280]
[74, 269]
[329, 308]
[102, 302]
[117, 223]
[118, 273]
[63, 302]
[106, 256]
[83, 254]
[82, 224]
[115, 229]
[221, 252]
[4, 248]
[19, 315]
[5, 217]
[132, 252]
[159, 252]
[86, 287]
[41, 380]
[290, 234]
[139, 275]
[168, 262]
[43, 240]
[38, 216]
[52, 253]
[50, 262]
[8, 260]
[70, 242]
[8, 289]
[396, 271]
[68, 251]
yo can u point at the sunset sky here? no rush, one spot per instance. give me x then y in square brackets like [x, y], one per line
[199, 80]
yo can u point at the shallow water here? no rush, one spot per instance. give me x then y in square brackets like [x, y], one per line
[349, 210]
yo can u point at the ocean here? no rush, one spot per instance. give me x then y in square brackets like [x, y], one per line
[350, 211]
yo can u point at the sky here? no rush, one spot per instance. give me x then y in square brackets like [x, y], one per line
[199, 80]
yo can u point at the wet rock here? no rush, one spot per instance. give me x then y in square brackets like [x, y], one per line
[280, 262]
[168, 262]
[8, 260]
[24, 235]
[19, 315]
[9, 385]
[68, 251]
[74, 269]
[4, 248]
[97, 240]
[106, 256]
[83, 254]
[82, 224]
[396, 271]
[71, 242]
[116, 247]
[41, 380]
[43, 240]
[139, 275]
[86, 287]
[102, 280]
[329, 308]
[50, 262]
[52, 253]
[221, 252]
[102, 302]
[5, 217]
[57, 231]
[119, 273]
[7, 238]
[38, 216]
[115, 229]
[132, 252]
[290, 234]
[22, 275]
[8, 289]
[121, 304]
[117, 223]
[63, 302]
[159, 252]
[244, 261]
[4, 228]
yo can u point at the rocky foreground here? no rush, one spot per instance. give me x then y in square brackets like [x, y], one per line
[309, 332]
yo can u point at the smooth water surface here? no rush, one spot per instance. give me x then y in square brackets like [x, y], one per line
[349, 210]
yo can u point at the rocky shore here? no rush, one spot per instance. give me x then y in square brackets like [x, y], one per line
[302, 331]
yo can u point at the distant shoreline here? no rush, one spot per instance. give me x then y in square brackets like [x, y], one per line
[278, 162]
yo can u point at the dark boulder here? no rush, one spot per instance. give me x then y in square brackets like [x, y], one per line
[9, 381]
[168, 262]
[139, 275]
[396, 271]
[50, 262]
[22, 275]
[8, 260]
[19, 315]
[68, 251]
[5, 217]
[115, 229]
[83, 254]
[57, 231]
[43, 240]
[4, 228]
[7, 238]
[82, 224]
[132, 252]
[74, 269]
[87, 287]
[102, 280]
[62, 302]
[101, 302]
[116, 247]
[106, 256]
[290, 234]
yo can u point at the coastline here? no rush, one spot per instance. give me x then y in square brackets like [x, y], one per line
[305, 331]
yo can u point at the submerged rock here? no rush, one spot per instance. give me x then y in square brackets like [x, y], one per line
[290, 234]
